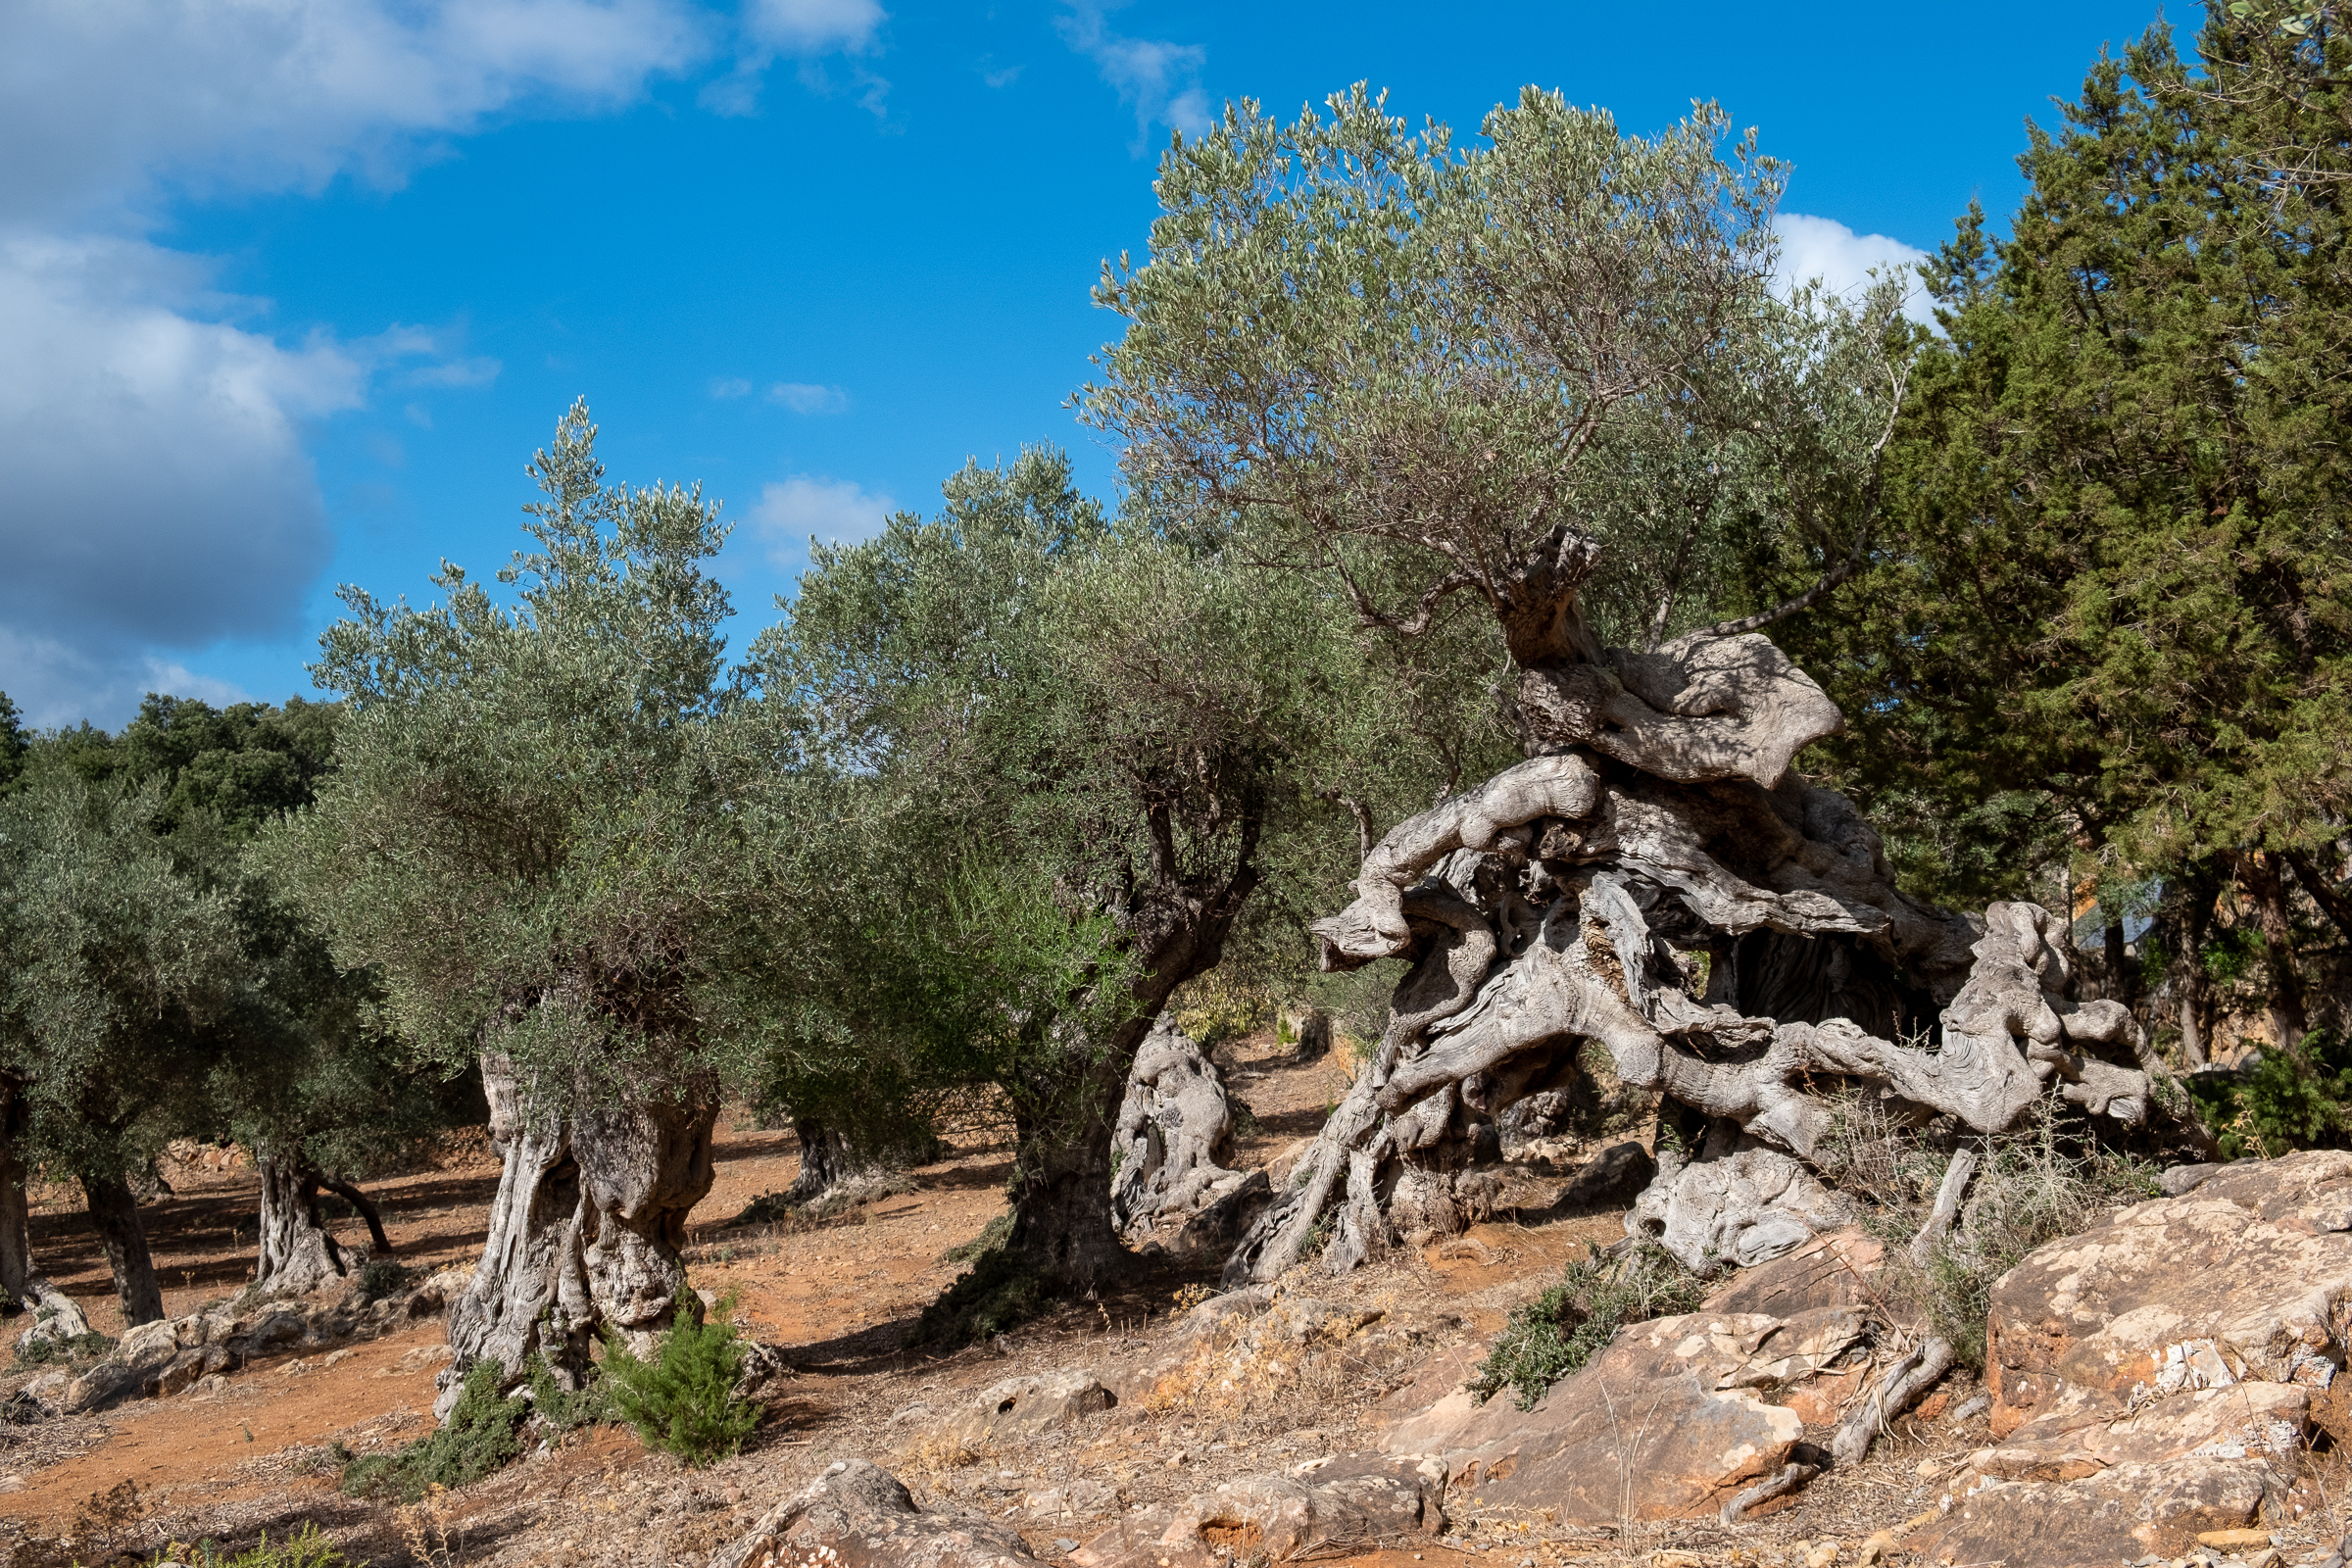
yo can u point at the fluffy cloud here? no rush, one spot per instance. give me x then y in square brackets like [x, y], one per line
[1156, 79]
[158, 488]
[159, 494]
[789, 514]
[814, 27]
[1824, 249]
[103, 99]
[802, 398]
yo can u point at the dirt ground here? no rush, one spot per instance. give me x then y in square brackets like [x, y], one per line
[838, 1299]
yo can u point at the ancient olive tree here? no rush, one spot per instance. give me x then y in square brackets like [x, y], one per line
[538, 834]
[1545, 375]
[1072, 751]
[118, 974]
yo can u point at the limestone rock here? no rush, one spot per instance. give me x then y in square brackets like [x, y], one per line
[1329, 1510]
[2245, 1279]
[1831, 1270]
[1672, 1410]
[2116, 1515]
[1023, 1406]
[856, 1515]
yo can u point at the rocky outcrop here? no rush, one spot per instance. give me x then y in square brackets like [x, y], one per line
[1025, 1407]
[2153, 1377]
[1324, 1510]
[1669, 1422]
[856, 1515]
[156, 1360]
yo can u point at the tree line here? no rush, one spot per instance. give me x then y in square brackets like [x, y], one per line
[1404, 424]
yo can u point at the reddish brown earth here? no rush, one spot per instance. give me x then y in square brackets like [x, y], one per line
[838, 1299]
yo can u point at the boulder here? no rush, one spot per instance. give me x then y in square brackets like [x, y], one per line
[2246, 1278]
[1831, 1270]
[1329, 1510]
[2153, 1377]
[856, 1515]
[2116, 1515]
[1668, 1422]
[1027, 1406]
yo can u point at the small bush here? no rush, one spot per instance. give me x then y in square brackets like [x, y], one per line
[559, 1409]
[2286, 1100]
[478, 1439]
[992, 1236]
[382, 1277]
[999, 1292]
[1565, 1327]
[309, 1549]
[683, 1402]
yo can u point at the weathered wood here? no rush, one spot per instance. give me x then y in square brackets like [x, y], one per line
[1947, 1206]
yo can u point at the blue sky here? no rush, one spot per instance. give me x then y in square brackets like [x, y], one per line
[291, 290]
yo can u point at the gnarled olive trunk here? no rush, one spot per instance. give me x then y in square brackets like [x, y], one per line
[587, 1226]
[829, 1160]
[1567, 898]
[297, 1254]
[56, 1315]
[114, 1211]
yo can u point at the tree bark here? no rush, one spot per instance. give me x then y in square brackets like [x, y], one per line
[2258, 873]
[586, 1229]
[297, 1254]
[828, 1159]
[2191, 917]
[2123, 978]
[114, 1211]
[56, 1315]
[2317, 883]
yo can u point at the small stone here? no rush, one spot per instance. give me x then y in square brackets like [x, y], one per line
[1822, 1556]
[2231, 1540]
[1877, 1547]
[1926, 1468]
[1064, 1544]
[2267, 1557]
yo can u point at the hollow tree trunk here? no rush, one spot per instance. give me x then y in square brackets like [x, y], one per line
[2289, 1022]
[114, 1211]
[828, 1159]
[1657, 815]
[586, 1229]
[297, 1254]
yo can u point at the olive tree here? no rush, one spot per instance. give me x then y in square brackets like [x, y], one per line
[537, 834]
[1545, 375]
[1071, 752]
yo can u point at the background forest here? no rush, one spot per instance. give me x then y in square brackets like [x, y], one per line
[1004, 783]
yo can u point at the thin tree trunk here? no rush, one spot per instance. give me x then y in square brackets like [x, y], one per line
[297, 1254]
[586, 1229]
[351, 1193]
[2289, 1022]
[2191, 921]
[2123, 978]
[116, 1214]
[1062, 1215]
[2315, 882]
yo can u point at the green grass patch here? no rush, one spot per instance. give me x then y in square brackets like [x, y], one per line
[479, 1438]
[1565, 1327]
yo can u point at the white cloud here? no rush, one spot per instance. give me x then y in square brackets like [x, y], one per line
[1824, 249]
[57, 683]
[158, 489]
[803, 27]
[729, 386]
[102, 99]
[1154, 77]
[807, 30]
[157, 492]
[802, 398]
[789, 514]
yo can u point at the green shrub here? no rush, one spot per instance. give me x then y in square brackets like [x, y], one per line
[559, 1409]
[992, 1236]
[381, 1278]
[2286, 1100]
[478, 1439]
[683, 1402]
[1565, 1327]
[999, 1291]
[309, 1549]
